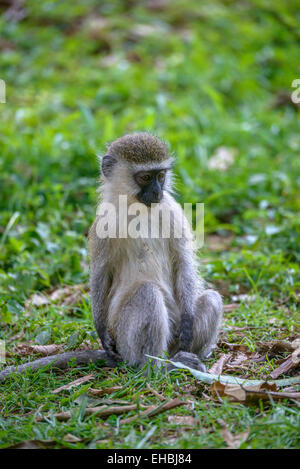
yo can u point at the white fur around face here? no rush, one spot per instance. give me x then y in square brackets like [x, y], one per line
[122, 181]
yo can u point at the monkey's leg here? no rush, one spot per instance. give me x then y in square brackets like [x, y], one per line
[142, 326]
[207, 320]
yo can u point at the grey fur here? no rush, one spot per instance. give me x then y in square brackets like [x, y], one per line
[146, 295]
[139, 147]
[107, 166]
[146, 332]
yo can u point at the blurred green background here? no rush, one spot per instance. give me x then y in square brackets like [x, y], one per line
[212, 78]
[201, 75]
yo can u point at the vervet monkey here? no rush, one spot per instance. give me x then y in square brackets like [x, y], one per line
[146, 295]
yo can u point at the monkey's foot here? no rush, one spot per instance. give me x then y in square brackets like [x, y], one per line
[188, 359]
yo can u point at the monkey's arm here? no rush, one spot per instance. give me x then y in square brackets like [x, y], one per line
[185, 279]
[100, 282]
[99, 286]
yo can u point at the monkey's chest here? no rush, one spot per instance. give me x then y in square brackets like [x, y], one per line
[139, 261]
[146, 260]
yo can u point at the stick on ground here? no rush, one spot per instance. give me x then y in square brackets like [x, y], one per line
[102, 411]
[155, 410]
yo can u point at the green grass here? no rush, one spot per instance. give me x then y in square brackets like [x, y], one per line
[201, 75]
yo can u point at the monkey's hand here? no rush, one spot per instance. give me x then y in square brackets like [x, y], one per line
[188, 359]
[109, 346]
[186, 332]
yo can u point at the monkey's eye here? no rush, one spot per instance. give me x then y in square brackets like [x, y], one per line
[161, 176]
[143, 178]
[146, 177]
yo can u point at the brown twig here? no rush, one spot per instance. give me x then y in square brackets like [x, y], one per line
[104, 391]
[73, 384]
[264, 394]
[155, 393]
[102, 411]
[284, 367]
[152, 410]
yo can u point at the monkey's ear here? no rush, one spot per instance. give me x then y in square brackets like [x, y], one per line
[107, 165]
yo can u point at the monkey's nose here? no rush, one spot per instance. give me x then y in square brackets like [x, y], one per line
[157, 196]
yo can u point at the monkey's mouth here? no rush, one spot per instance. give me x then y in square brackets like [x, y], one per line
[148, 200]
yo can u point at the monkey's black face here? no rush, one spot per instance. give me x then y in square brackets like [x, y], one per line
[151, 184]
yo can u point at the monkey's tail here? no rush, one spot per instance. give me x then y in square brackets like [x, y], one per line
[61, 361]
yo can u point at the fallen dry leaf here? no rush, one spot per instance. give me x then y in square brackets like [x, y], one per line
[71, 438]
[26, 349]
[233, 441]
[33, 444]
[235, 392]
[231, 307]
[258, 357]
[69, 295]
[37, 300]
[73, 384]
[217, 367]
[235, 359]
[218, 243]
[186, 420]
[251, 394]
